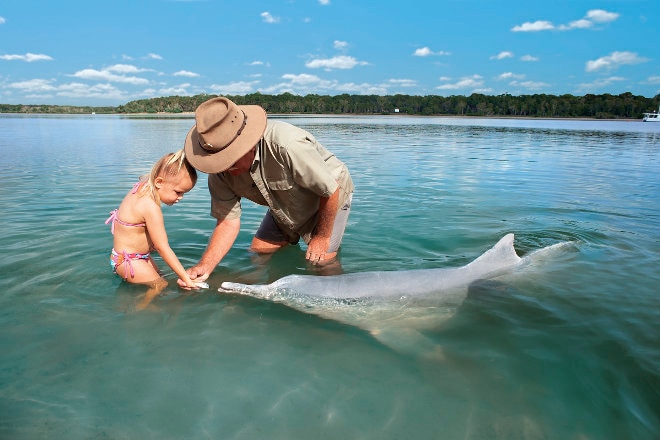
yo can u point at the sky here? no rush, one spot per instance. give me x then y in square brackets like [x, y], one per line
[107, 53]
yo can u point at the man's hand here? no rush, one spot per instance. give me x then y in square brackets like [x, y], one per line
[196, 273]
[317, 248]
[221, 240]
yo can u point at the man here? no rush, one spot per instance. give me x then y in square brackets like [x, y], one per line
[307, 189]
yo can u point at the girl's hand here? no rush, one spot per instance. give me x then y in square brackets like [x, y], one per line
[198, 284]
[190, 284]
[195, 275]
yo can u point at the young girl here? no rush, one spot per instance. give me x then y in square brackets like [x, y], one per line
[138, 225]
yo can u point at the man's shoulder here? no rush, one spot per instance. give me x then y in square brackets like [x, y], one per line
[281, 130]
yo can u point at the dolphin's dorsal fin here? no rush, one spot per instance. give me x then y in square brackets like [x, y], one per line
[503, 252]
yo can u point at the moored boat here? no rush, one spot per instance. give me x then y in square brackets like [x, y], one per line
[652, 117]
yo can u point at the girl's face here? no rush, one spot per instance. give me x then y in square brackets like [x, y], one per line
[172, 188]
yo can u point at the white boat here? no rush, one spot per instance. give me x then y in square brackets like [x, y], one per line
[652, 117]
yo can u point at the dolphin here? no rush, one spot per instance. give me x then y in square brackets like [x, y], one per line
[394, 306]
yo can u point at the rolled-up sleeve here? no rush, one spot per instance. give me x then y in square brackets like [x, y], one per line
[225, 204]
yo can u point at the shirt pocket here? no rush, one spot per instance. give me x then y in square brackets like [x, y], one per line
[281, 184]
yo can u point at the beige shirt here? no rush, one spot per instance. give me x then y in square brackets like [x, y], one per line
[290, 172]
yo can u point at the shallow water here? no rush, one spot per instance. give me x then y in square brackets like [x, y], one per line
[570, 350]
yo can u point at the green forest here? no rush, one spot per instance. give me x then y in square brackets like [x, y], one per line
[605, 106]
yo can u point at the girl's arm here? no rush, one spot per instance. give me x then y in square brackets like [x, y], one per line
[153, 217]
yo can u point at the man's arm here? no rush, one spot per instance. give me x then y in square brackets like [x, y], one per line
[221, 241]
[320, 241]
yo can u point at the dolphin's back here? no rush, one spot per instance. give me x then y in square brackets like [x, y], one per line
[352, 285]
[383, 284]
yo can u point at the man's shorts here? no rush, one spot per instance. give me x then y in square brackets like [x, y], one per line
[271, 232]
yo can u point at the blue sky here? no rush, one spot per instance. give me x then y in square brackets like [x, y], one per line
[112, 52]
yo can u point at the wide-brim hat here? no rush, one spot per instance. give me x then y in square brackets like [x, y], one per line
[223, 133]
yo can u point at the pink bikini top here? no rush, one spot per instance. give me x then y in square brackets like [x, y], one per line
[114, 218]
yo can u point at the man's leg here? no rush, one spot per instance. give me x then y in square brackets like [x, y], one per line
[265, 247]
[269, 238]
[338, 229]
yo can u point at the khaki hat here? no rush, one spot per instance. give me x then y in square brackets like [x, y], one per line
[223, 133]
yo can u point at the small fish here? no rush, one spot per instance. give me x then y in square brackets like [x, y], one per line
[202, 285]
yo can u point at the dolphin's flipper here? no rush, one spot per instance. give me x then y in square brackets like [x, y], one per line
[409, 341]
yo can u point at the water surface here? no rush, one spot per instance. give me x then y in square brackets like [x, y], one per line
[569, 351]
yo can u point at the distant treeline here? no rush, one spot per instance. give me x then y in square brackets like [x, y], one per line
[606, 106]
[55, 109]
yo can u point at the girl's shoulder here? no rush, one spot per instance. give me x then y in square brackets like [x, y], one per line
[136, 207]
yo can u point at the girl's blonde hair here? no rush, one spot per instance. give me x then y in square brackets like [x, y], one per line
[168, 165]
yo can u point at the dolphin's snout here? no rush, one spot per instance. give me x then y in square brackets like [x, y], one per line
[226, 287]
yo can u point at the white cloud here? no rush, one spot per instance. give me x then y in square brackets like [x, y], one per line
[599, 83]
[614, 60]
[529, 85]
[303, 78]
[539, 25]
[125, 68]
[470, 82]
[28, 57]
[179, 90]
[528, 58]
[43, 87]
[79, 90]
[338, 62]
[303, 84]
[186, 73]
[108, 74]
[33, 86]
[510, 75]
[577, 24]
[235, 88]
[2, 20]
[154, 56]
[268, 18]
[593, 16]
[402, 82]
[653, 79]
[601, 16]
[324, 2]
[425, 52]
[502, 55]
[340, 45]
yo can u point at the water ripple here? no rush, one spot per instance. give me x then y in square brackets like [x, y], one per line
[581, 329]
